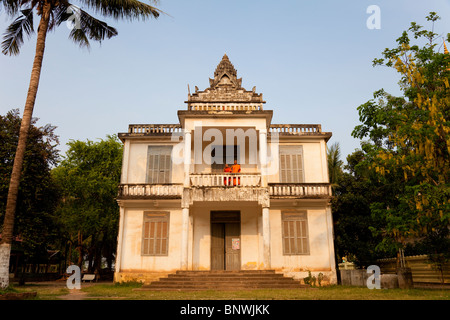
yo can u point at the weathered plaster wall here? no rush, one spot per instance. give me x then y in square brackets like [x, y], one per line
[137, 168]
[314, 161]
[132, 260]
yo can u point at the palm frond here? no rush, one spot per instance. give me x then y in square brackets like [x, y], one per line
[12, 7]
[83, 26]
[13, 37]
[59, 14]
[79, 37]
[124, 9]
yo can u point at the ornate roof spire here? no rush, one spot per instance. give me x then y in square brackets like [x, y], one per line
[225, 74]
[225, 89]
[225, 66]
[445, 48]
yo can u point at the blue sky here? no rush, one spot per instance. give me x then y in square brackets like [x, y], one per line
[312, 60]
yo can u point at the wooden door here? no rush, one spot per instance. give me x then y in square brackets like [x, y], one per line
[225, 240]
[232, 246]
[217, 246]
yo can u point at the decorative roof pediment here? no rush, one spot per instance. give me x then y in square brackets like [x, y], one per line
[225, 75]
[225, 87]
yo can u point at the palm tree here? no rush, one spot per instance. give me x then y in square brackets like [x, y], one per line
[84, 28]
[334, 164]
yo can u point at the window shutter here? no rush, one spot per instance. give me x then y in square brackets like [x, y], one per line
[294, 233]
[291, 164]
[155, 237]
[159, 164]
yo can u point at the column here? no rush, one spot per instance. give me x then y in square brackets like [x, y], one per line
[187, 157]
[263, 156]
[184, 238]
[118, 264]
[125, 161]
[330, 238]
[266, 237]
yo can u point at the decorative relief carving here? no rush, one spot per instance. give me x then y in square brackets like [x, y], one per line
[260, 195]
[225, 87]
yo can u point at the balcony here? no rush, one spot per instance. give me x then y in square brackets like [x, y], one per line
[225, 180]
[150, 191]
[226, 187]
[154, 128]
[295, 129]
[299, 190]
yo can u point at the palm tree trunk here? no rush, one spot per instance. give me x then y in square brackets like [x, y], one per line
[8, 223]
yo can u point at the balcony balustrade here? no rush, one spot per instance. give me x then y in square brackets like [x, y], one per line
[154, 128]
[142, 190]
[299, 190]
[295, 128]
[226, 180]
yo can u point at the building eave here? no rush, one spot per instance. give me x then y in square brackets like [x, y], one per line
[213, 114]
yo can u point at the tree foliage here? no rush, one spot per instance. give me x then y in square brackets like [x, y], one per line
[334, 163]
[409, 140]
[88, 178]
[38, 196]
[353, 194]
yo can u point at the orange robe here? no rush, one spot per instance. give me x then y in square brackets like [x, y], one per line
[227, 170]
[236, 168]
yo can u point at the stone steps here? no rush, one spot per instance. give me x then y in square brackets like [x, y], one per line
[224, 280]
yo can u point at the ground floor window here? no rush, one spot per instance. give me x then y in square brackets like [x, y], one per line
[295, 233]
[155, 233]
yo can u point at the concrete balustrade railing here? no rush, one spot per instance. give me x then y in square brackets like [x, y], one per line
[225, 107]
[295, 128]
[147, 190]
[154, 128]
[225, 180]
[300, 189]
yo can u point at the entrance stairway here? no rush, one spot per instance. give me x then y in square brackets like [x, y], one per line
[224, 280]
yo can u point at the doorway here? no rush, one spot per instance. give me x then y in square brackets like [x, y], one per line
[225, 240]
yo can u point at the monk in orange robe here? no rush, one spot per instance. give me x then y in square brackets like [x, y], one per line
[227, 169]
[236, 168]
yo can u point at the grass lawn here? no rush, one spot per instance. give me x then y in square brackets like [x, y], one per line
[129, 291]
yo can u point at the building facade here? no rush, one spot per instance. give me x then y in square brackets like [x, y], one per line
[180, 209]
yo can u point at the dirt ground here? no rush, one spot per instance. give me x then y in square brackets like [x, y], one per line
[74, 294]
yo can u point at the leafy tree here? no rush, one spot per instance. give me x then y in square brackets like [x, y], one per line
[52, 14]
[409, 141]
[37, 196]
[89, 177]
[351, 212]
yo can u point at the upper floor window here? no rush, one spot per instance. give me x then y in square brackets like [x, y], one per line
[291, 164]
[159, 164]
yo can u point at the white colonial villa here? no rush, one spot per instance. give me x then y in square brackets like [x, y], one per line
[180, 209]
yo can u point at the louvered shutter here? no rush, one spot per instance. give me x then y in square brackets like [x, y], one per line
[295, 233]
[159, 164]
[291, 164]
[155, 235]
